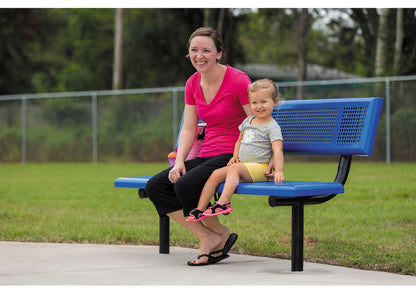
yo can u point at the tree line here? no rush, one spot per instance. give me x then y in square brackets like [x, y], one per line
[50, 50]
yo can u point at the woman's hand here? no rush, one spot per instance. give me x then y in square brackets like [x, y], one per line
[176, 172]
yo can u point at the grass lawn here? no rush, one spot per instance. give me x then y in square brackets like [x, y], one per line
[371, 226]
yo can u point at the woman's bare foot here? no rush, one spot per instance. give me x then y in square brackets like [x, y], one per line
[222, 231]
[208, 244]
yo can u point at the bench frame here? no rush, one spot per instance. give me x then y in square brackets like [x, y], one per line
[297, 194]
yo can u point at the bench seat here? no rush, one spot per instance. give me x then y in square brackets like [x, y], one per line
[286, 189]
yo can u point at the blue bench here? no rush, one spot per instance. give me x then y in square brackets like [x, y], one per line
[344, 127]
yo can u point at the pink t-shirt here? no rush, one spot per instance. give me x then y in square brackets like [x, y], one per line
[225, 112]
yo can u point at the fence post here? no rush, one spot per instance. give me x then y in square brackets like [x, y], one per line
[174, 117]
[24, 129]
[388, 150]
[94, 126]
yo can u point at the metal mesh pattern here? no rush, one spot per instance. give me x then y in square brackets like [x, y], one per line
[336, 126]
[314, 125]
[351, 125]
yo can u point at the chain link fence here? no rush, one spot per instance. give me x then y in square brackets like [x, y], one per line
[142, 124]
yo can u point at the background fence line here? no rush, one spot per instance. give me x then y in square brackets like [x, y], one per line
[283, 86]
[94, 95]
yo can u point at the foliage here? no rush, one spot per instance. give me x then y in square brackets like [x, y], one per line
[155, 52]
[54, 50]
[403, 122]
[346, 41]
[26, 36]
[144, 133]
[48, 50]
[266, 38]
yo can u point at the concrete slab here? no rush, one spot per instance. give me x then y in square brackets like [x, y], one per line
[24, 263]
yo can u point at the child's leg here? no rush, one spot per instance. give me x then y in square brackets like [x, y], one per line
[235, 173]
[216, 178]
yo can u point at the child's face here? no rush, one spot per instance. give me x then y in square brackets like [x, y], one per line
[262, 103]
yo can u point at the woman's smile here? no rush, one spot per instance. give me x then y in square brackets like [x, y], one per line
[202, 51]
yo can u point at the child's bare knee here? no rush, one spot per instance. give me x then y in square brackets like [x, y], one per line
[235, 168]
[217, 176]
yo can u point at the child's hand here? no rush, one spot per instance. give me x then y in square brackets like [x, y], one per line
[233, 160]
[279, 177]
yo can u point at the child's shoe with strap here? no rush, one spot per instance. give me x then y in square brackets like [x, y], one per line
[196, 215]
[218, 209]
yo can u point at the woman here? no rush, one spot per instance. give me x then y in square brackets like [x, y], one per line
[217, 94]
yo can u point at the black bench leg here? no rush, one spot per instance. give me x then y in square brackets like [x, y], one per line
[297, 237]
[164, 228]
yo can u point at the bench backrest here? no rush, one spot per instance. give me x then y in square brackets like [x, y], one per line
[340, 126]
[343, 126]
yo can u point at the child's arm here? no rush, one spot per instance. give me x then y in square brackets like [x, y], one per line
[234, 159]
[278, 161]
[270, 167]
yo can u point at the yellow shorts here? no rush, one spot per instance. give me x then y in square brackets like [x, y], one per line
[257, 170]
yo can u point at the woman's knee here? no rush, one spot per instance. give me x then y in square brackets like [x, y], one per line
[156, 185]
[188, 188]
[182, 185]
[150, 187]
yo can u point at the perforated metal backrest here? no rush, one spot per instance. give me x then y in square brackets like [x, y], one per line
[341, 126]
[345, 126]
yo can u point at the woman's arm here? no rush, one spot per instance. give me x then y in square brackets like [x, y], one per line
[186, 139]
[247, 109]
[234, 159]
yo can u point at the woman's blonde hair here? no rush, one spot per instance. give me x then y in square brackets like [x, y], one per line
[262, 85]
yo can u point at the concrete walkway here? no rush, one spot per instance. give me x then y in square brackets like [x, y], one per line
[88, 264]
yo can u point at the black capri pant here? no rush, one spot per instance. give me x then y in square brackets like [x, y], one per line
[185, 193]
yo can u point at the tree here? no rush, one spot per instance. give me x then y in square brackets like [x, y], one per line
[367, 20]
[49, 50]
[409, 42]
[26, 65]
[381, 43]
[118, 50]
[155, 46]
[399, 41]
[220, 22]
[207, 17]
[302, 27]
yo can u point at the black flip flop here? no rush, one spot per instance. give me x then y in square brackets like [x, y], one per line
[191, 263]
[211, 259]
[228, 244]
[215, 259]
[224, 252]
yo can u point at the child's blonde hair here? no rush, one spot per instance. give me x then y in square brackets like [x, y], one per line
[264, 84]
